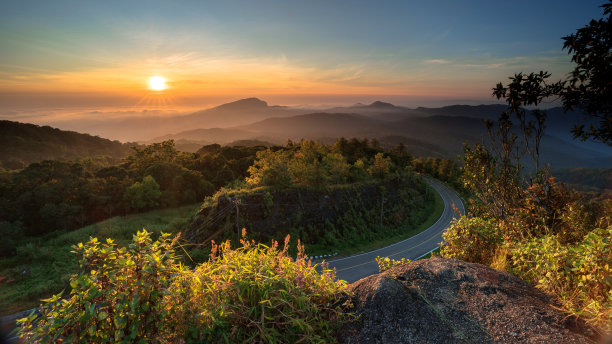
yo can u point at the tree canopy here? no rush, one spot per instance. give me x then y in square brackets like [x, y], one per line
[589, 85]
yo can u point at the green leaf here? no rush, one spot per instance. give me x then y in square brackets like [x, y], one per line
[102, 315]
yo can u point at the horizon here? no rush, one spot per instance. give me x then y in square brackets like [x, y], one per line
[68, 118]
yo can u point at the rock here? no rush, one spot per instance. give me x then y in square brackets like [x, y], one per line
[441, 300]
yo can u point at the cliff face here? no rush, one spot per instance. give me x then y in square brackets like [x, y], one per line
[323, 217]
[450, 301]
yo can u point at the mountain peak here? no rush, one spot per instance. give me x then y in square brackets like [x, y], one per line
[379, 104]
[242, 104]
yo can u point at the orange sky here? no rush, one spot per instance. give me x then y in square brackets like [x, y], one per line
[230, 50]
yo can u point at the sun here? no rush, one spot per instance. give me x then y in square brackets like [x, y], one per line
[157, 83]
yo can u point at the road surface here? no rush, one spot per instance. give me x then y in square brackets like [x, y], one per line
[359, 266]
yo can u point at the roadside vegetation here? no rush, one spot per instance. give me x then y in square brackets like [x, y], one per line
[36, 262]
[141, 293]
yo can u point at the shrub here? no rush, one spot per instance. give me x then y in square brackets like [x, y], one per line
[116, 297]
[141, 294]
[578, 275]
[386, 263]
[471, 239]
[257, 294]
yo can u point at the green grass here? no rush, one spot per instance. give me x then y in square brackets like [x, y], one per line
[366, 246]
[50, 262]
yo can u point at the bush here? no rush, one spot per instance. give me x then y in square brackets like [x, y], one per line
[140, 293]
[257, 294]
[386, 263]
[578, 275]
[471, 239]
[116, 297]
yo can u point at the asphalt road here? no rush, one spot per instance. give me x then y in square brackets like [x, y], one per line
[362, 265]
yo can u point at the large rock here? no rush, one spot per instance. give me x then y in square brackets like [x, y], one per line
[450, 301]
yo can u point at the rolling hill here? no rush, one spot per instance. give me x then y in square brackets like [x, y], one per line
[22, 144]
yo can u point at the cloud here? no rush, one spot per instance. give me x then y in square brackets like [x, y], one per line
[437, 61]
[480, 65]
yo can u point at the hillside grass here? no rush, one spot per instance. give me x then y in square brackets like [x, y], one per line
[49, 262]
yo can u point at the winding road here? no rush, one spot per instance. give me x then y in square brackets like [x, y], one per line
[362, 265]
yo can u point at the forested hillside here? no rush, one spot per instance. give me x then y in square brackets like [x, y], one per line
[59, 195]
[335, 190]
[24, 143]
[329, 197]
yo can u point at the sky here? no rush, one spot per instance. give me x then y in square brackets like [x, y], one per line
[102, 53]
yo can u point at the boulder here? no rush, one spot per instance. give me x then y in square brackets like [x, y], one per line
[441, 300]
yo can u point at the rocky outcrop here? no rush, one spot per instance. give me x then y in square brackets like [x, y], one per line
[442, 300]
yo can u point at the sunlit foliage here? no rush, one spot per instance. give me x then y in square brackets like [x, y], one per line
[141, 294]
[386, 263]
[471, 239]
[313, 164]
[578, 275]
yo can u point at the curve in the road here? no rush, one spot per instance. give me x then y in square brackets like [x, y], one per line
[361, 265]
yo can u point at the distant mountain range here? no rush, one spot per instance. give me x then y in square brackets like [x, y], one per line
[439, 132]
[426, 131]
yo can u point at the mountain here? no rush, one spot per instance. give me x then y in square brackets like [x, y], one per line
[206, 136]
[22, 144]
[144, 126]
[318, 125]
[378, 109]
[237, 113]
[438, 132]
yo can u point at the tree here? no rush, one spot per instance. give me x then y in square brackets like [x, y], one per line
[522, 91]
[307, 167]
[338, 169]
[589, 87]
[270, 168]
[143, 195]
[141, 158]
[497, 190]
[381, 166]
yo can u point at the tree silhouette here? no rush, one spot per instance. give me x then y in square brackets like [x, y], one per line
[589, 86]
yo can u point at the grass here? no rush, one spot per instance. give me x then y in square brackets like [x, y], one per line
[366, 246]
[48, 262]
